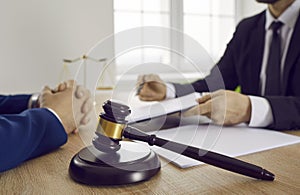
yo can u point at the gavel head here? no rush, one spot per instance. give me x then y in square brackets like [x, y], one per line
[110, 127]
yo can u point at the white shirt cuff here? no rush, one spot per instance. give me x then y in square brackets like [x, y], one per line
[261, 112]
[56, 115]
[170, 93]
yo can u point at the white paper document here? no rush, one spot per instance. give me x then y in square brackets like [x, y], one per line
[162, 108]
[230, 141]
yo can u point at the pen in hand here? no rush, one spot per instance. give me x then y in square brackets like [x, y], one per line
[140, 83]
[151, 88]
[139, 88]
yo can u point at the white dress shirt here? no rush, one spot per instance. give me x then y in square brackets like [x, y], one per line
[261, 113]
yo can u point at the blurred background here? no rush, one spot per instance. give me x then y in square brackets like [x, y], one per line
[36, 35]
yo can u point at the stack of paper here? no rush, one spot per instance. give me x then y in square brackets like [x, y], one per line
[162, 108]
[230, 141]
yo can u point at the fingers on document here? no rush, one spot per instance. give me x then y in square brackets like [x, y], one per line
[192, 111]
[204, 107]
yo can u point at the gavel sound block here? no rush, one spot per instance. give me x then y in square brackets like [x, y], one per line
[111, 161]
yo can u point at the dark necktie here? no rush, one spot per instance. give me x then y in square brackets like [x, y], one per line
[273, 80]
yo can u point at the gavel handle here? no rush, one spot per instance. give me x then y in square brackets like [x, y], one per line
[212, 158]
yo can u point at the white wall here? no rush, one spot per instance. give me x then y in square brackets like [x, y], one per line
[35, 35]
[246, 8]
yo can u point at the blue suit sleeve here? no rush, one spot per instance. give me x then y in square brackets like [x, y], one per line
[27, 135]
[13, 104]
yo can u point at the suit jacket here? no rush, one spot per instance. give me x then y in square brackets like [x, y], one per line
[241, 65]
[26, 133]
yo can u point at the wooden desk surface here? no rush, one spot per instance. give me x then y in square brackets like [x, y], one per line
[49, 174]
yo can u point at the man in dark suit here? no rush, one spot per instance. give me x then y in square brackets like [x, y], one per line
[263, 58]
[32, 125]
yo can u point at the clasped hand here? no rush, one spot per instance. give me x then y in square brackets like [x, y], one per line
[72, 103]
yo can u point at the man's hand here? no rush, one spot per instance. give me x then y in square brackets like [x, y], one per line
[151, 88]
[71, 103]
[223, 107]
[80, 92]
